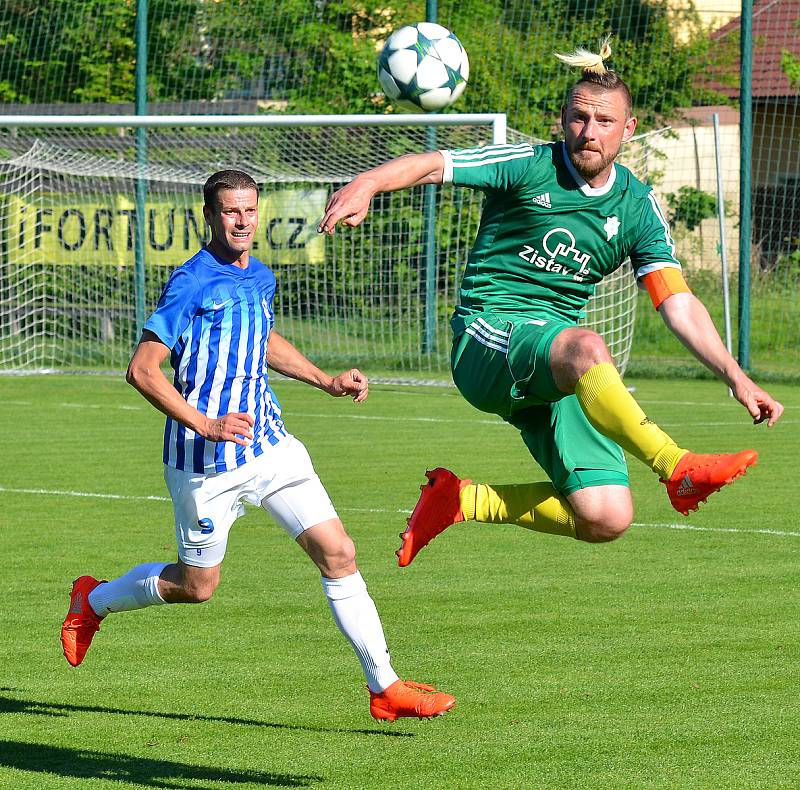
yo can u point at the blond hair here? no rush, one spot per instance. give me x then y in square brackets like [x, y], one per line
[589, 61]
[594, 70]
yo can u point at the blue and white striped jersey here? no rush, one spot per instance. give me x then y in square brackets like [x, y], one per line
[216, 319]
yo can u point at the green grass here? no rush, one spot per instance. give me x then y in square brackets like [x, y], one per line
[774, 326]
[666, 659]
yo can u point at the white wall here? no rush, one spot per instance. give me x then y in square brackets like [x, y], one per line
[713, 14]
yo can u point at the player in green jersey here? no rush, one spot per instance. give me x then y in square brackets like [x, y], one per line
[556, 220]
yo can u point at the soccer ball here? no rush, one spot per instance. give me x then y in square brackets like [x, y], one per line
[423, 67]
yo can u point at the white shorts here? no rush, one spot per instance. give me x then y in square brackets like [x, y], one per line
[282, 481]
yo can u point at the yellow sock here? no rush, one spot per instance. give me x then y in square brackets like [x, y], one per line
[611, 409]
[536, 506]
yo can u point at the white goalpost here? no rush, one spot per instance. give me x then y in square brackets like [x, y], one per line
[96, 211]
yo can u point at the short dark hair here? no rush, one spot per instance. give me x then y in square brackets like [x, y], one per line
[226, 179]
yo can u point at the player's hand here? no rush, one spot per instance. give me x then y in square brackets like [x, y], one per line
[353, 383]
[761, 405]
[234, 427]
[349, 205]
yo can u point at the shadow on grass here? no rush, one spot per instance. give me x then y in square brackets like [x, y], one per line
[9, 705]
[85, 764]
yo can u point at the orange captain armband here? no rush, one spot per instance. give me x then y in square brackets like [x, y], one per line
[663, 283]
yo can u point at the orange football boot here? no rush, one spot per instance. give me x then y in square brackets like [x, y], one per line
[81, 623]
[405, 698]
[697, 476]
[438, 508]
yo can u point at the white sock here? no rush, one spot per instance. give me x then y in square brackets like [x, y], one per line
[355, 614]
[135, 590]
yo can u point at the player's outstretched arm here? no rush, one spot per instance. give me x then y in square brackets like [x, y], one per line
[350, 204]
[687, 318]
[285, 358]
[144, 373]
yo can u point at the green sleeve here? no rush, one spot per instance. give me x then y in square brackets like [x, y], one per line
[500, 167]
[653, 248]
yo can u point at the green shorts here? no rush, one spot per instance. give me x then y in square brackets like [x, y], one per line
[501, 365]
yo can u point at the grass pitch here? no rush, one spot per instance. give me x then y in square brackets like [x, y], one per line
[665, 659]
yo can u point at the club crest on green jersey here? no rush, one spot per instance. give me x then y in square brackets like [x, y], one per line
[611, 227]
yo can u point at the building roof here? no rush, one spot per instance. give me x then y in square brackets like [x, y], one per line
[776, 28]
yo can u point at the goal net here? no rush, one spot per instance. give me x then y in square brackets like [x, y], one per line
[95, 213]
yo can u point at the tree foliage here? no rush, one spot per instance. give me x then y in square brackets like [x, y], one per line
[790, 63]
[790, 66]
[56, 51]
[320, 57]
[689, 206]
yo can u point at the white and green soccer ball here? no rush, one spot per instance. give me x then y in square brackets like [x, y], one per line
[423, 67]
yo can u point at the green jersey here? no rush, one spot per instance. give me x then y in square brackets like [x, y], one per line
[546, 237]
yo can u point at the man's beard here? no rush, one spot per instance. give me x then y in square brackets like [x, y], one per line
[589, 168]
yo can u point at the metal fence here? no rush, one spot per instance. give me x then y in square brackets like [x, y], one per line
[684, 62]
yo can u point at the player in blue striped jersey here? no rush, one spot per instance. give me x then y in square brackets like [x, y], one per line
[225, 443]
[216, 318]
